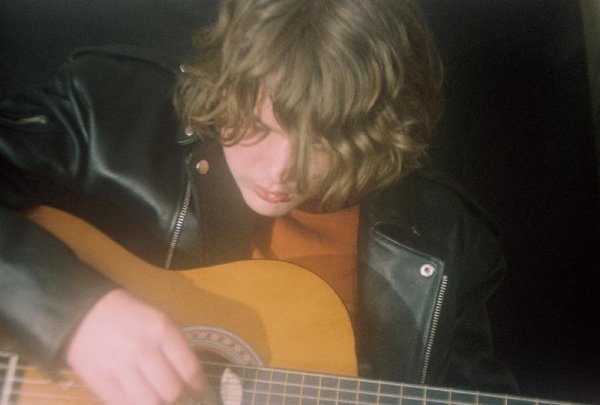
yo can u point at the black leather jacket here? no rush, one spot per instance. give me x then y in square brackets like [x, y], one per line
[103, 142]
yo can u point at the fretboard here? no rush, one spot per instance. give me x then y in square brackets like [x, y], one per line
[266, 386]
[274, 386]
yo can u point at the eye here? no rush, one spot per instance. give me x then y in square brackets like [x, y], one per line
[319, 145]
[261, 128]
[256, 133]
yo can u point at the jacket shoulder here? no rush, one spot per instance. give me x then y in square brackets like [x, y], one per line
[427, 210]
[424, 192]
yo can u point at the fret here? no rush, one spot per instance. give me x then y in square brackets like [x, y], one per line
[413, 395]
[390, 393]
[294, 388]
[9, 370]
[285, 389]
[328, 389]
[303, 385]
[484, 399]
[367, 393]
[438, 396]
[278, 385]
[262, 386]
[310, 389]
[461, 397]
[248, 376]
[348, 391]
[378, 393]
[521, 401]
[491, 400]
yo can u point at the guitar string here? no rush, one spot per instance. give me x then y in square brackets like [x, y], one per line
[303, 387]
[319, 388]
[301, 396]
[423, 392]
[320, 392]
[256, 393]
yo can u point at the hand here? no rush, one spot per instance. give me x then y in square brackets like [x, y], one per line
[130, 353]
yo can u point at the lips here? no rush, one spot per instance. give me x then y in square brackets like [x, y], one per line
[272, 196]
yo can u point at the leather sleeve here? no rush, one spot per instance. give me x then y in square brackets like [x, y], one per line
[44, 289]
[478, 267]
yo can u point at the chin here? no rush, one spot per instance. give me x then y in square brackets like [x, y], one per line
[268, 209]
[271, 211]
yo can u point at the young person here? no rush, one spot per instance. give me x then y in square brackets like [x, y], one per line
[297, 133]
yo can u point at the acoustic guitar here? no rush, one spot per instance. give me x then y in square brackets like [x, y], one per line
[268, 333]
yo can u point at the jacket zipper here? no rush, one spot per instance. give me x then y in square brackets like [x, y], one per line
[179, 224]
[436, 317]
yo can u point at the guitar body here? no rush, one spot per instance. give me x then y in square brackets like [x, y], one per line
[288, 317]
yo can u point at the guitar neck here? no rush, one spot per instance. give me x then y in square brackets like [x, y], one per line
[259, 385]
[276, 386]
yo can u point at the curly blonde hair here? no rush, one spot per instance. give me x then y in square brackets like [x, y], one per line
[361, 79]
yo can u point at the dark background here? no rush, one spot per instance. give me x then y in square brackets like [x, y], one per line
[517, 133]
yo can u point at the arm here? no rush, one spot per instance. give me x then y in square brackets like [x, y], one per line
[479, 270]
[44, 288]
[53, 303]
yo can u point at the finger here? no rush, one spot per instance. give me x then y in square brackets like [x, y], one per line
[108, 390]
[137, 390]
[162, 377]
[180, 355]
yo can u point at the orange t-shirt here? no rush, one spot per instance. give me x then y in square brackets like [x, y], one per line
[322, 243]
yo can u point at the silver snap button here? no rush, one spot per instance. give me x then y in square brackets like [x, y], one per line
[189, 131]
[427, 270]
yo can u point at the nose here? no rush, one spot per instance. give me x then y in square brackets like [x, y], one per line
[279, 158]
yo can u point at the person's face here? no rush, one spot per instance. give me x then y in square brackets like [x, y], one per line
[261, 165]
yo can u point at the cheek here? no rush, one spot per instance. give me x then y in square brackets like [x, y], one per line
[236, 160]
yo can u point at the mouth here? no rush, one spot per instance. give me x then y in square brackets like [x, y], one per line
[272, 196]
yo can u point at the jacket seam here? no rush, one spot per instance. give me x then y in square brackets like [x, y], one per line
[129, 52]
[394, 241]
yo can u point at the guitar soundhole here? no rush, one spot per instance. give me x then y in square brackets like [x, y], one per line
[213, 365]
[219, 349]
